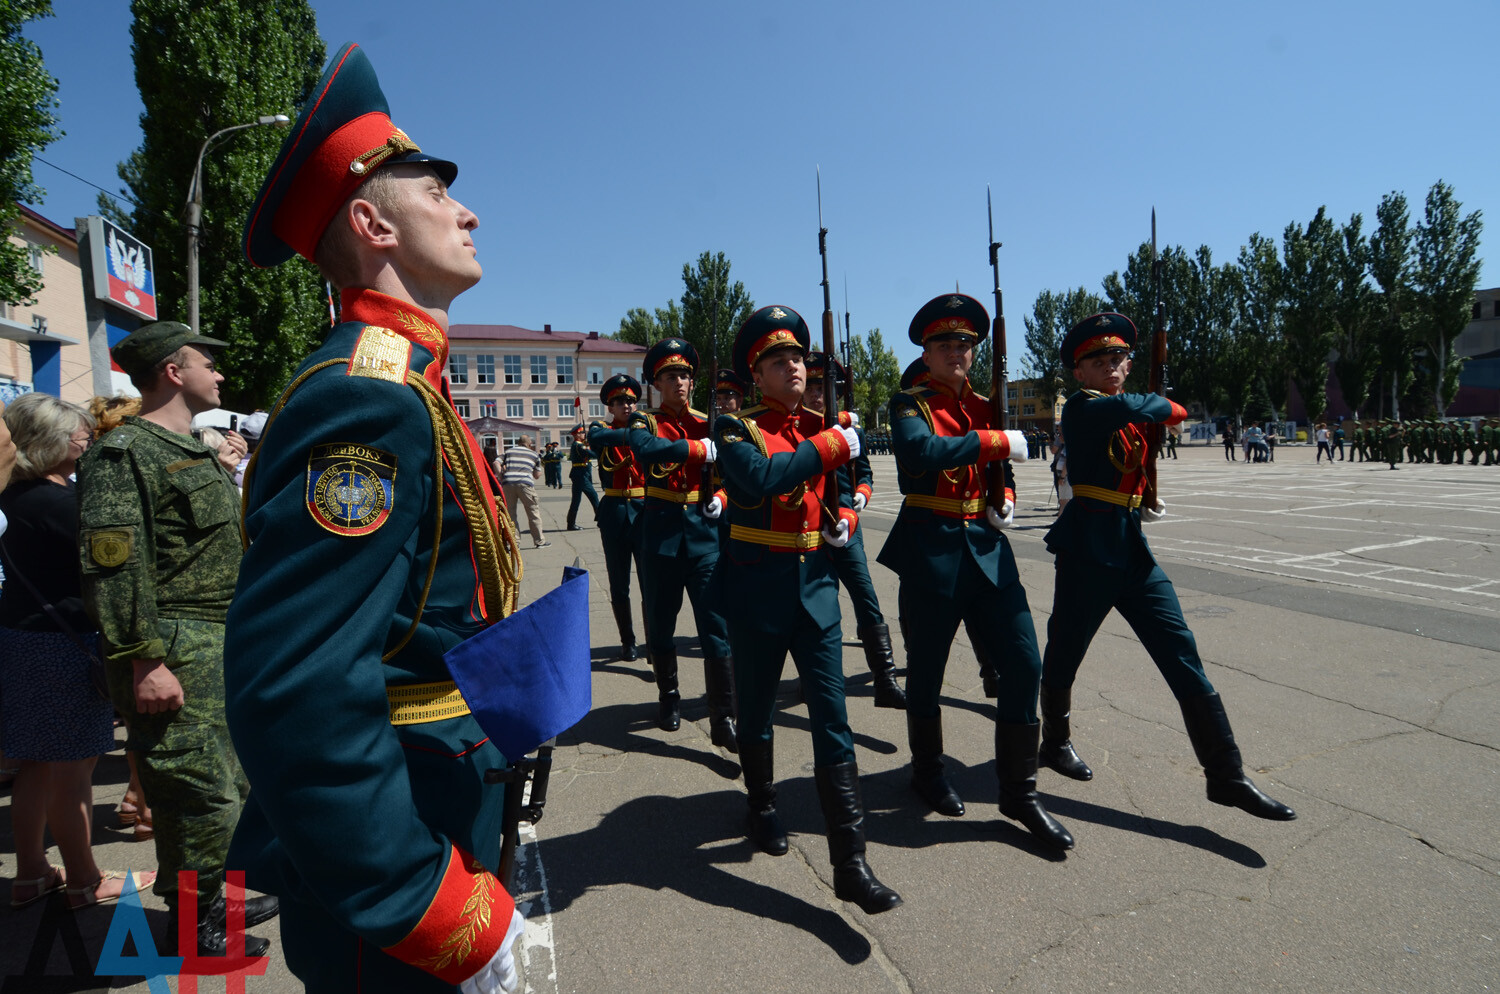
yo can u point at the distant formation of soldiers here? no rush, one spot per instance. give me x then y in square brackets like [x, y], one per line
[1429, 440]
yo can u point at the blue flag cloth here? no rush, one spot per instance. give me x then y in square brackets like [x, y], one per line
[528, 677]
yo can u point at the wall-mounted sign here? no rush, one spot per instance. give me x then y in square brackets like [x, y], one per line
[122, 269]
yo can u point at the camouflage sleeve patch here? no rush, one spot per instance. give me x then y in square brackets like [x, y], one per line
[351, 488]
[109, 547]
[380, 354]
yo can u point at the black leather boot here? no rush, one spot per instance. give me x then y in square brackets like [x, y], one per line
[1057, 749]
[669, 713]
[212, 938]
[925, 735]
[762, 823]
[882, 663]
[853, 880]
[1015, 767]
[718, 678]
[1213, 741]
[646, 642]
[987, 675]
[627, 631]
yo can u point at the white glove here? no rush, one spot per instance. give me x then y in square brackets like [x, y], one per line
[1149, 514]
[840, 538]
[499, 974]
[852, 438]
[713, 508]
[1017, 445]
[1003, 518]
[853, 418]
[859, 501]
[711, 451]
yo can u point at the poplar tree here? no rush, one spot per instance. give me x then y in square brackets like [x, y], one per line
[27, 125]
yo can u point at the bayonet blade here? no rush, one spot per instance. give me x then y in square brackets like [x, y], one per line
[989, 206]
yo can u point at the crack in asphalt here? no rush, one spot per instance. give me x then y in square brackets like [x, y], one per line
[897, 977]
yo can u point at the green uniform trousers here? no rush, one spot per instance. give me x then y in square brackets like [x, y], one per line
[663, 580]
[188, 765]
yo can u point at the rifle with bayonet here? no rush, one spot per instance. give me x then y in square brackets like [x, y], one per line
[848, 357]
[999, 372]
[706, 485]
[830, 386]
[1156, 379]
[521, 804]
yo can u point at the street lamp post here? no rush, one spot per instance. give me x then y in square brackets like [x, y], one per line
[195, 207]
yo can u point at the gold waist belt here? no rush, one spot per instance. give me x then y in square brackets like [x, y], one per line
[626, 492]
[420, 703]
[947, 505]
[801, 541]
[1110, 496]
[661, 493]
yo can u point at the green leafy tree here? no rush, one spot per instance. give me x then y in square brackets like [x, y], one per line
[877, 376]
[201, 67]
[983, 369]
[706, 286]
[27, 125]
[1390, 268]
[1256, 352]
[1311, 286]
[1205, 308]
[1443, 279]
[1051, 317]
[1133, 294]
[1355, 317]
[638, 327]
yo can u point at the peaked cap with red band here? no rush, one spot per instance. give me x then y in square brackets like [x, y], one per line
[669, 353]
[1106, 332]
[768, 329]
[817, 368]
[728, 379]
[953, 315]
[342, 136]
[619, 385]
[915, 372]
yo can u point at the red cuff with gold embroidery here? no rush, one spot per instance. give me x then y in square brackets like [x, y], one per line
[847, 514]
[1179, 413]
[832, 448]
[864, 488]
[697, 452]
[463, 926]
[845, 421]
[992, 445]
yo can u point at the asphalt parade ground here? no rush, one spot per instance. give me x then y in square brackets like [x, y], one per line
[1348, 614]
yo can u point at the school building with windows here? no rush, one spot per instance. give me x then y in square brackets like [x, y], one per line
[523, 381]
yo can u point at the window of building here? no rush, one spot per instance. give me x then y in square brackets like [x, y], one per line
[484, 370]
[1029, 410]
[546, 436]
[565, 369]
[1475, 313]
[597, 410]
[458, 369]
[538, 369]
[1011, 411]
[540, 408]
[462, 407]
[565, 409]
[620, 369]
[1028, 391]
[596, 375]
[512, 369]
[37, 254]
[515, 407]
[1497, 308]
[486, 408]
[1010, 393]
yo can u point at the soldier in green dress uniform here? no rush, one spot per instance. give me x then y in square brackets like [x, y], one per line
[776, 458]
[1103, 562]
[624, 492]
[729, 392]
[955, 565]
[579, 458]
[552, 466]
[159, 530]
[680, 540]
[856, 487]
[378, 541]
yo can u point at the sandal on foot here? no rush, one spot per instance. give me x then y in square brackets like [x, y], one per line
[38, 888]
[88, 897]
[128, 813]
[144, 830]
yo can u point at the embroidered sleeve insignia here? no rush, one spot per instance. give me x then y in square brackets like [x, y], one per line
[110, 546]
[380, 354]
[350, 488]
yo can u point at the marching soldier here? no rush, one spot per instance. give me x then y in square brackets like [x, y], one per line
[376, 541]
[579, 457]
[955, 565]
[552, 464]
[775, 457]
[1103, 561]
[856, 486]
[624, 492]
[729, 392]
[680, 542]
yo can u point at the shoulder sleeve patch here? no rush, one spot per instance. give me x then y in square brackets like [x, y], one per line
[350, 488]
[380, 354]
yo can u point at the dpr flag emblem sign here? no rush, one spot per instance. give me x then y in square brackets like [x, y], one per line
[122, 268]
[351, 488]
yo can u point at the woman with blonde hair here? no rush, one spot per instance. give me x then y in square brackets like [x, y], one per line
[55, 723]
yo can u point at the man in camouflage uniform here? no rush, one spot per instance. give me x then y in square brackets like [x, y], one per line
[160, 553]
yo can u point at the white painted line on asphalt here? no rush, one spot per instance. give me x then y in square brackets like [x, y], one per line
[538, 952]
[1355, 551]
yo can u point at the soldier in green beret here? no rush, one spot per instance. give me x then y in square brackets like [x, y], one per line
[159, 527]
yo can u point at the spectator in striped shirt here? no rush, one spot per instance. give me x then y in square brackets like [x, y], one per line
[519, 470]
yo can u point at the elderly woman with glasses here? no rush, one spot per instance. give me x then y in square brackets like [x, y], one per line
[55, 723]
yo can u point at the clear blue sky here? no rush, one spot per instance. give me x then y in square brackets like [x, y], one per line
[604, 144]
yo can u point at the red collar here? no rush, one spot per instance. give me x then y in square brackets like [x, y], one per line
[933, 384]
[407, 320]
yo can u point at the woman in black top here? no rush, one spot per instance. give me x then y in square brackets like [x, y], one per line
[55, 724]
